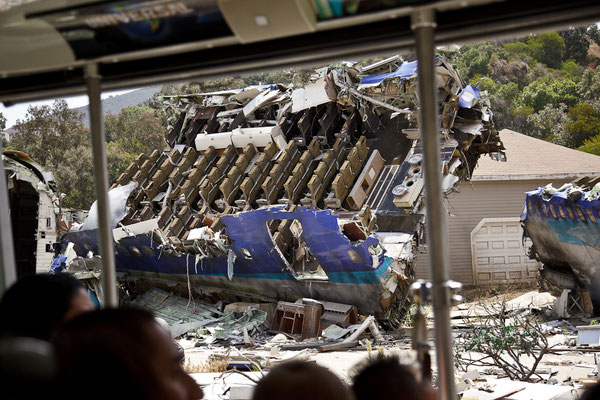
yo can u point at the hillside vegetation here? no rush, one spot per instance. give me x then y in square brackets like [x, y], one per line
[545, 85]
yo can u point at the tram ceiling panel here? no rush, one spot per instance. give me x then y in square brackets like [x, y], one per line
[154, 42]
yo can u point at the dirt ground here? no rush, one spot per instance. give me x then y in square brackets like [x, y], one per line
[567, 367]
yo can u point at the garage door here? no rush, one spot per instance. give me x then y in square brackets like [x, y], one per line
[498, 253]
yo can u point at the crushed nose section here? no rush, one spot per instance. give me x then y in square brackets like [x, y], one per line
[290, 192]
[562, 224]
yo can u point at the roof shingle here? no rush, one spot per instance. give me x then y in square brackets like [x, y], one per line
[531, 158]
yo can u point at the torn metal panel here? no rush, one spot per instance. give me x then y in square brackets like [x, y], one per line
[311, 95]
[183, 315]
[281, 193]
[135, 229]
[35, 214]
[405, 71]
[259, 100]
[469, 96]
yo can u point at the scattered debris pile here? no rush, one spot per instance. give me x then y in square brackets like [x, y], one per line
[562, 224]
[275, 193]
[504, 348]
[291, 326]
[87, 269]
[246, 340]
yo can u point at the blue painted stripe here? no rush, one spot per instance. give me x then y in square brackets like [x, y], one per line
[356, 277]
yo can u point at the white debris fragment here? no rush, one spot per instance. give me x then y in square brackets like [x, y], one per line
[117, 200]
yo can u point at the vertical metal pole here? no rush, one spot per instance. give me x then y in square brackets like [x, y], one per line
[101, 170]
[423, 24]
[8, 274]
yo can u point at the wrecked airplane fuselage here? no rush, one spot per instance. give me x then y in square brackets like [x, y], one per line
[253, 263]
[272, 193]
[35, 212]
[563, 225]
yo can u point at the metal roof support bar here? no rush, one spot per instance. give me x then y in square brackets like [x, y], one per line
[8, 274]
[107, 253]
[423, 24]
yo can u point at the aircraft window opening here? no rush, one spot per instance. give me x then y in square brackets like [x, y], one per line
[570, 212]
[561, 211]
[287, 237]
[579, 212]
[590, 215]
[148, 251]
[135, 251]
[123, 251]
[246, 253]
[553, 211]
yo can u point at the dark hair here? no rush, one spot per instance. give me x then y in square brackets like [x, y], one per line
[113, 347]
[591, 393]
[300, 380]
[383, 377]
[35, 305]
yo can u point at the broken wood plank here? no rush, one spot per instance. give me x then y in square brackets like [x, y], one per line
[338, 346]
[375, 331]
[300, 346]
[360, 329]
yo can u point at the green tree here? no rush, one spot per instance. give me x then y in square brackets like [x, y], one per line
[547, 48]
[504, 99]
[509, 91]
[48, 131]
[538, 94]
[517, 118]
[135, 129]
[589, 86]
[585, 123]
[474, 61]
[56, 137]
[516, 50]
[591, 145]
[118, 160]
[75, 177]
[549, 123]
[571, 68]
[550, 91]
[489, 85]
[576, 42]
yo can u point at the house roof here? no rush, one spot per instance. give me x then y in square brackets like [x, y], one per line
[530, 158]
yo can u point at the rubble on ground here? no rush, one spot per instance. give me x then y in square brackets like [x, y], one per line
[284, 325]
[238, 343]
[565, 351]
